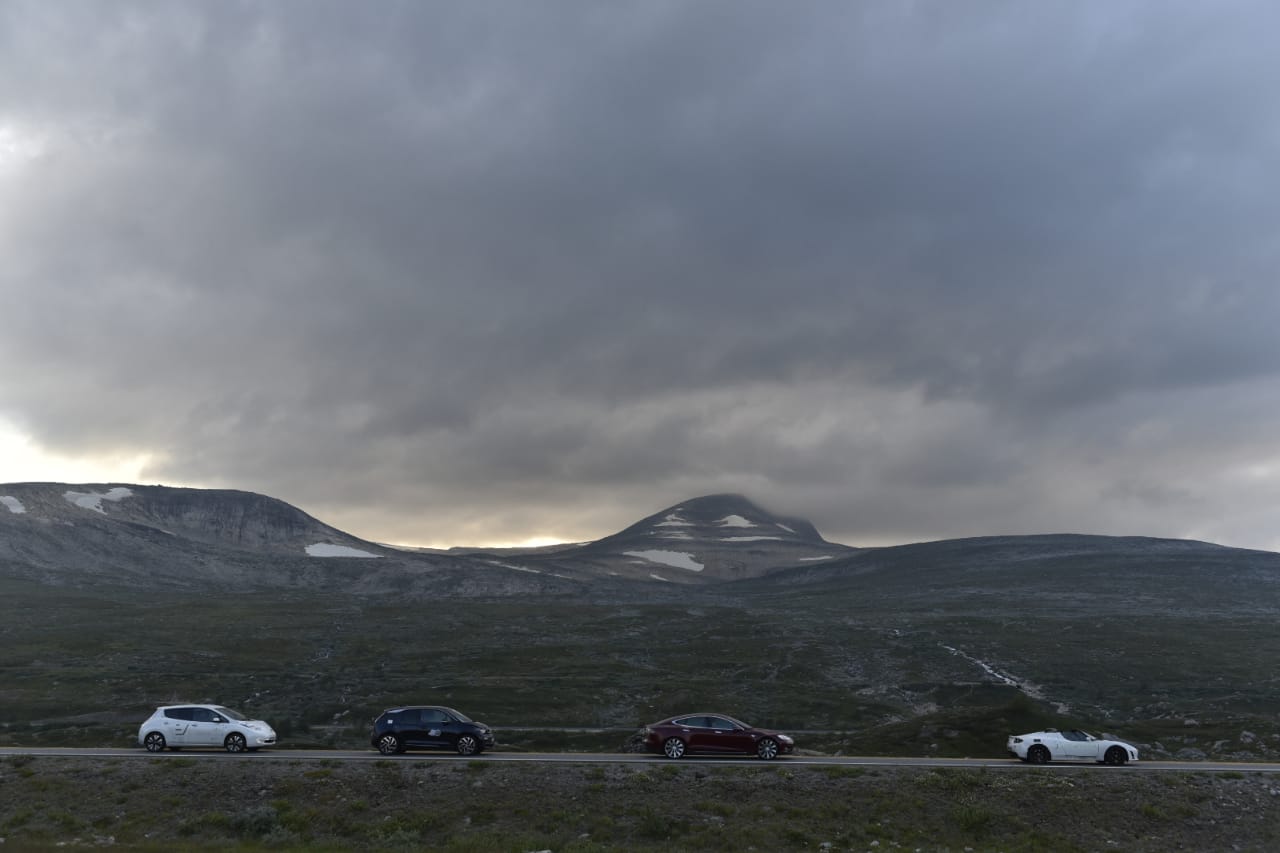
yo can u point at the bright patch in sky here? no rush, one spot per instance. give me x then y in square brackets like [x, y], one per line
[24, 461]
[326, 550]
[18, 146]
[675, 559]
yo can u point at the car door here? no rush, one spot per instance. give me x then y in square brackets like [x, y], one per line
[438, 728]
[409, 727]
[1077, 746]
[201, 731]
[727, 736]
[694, 731]
[174, 725]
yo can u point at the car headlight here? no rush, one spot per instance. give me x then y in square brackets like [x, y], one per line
[785, 739]
[1015, 740]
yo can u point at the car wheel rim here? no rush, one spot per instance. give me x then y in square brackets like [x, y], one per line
[155, 743]
[387, 745]
[466, 745]
[767, 750]
[674, 748]
[235, 743]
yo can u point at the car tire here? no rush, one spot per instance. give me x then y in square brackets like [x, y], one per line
[467, 745]
[1116, 756]
[767, 749]
[1039, 754]
[389, 745]
[235, 742]
[154, 742]
[673, 747]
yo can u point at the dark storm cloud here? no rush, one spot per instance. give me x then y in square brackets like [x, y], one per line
[465, 271]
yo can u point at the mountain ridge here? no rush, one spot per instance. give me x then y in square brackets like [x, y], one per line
[114, 533]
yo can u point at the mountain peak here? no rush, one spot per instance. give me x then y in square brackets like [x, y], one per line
[713, 537]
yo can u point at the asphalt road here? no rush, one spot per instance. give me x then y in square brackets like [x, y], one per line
[626, 758]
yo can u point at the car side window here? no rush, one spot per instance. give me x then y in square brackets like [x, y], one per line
[721, 724]
[202, 715]
[434, 715]
[178, 713]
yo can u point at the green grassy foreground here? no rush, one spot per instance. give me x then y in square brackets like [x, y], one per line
[178, 802]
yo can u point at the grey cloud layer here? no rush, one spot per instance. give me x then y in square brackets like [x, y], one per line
[911, 270]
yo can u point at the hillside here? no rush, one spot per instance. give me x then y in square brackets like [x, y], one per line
[704, 540]
[161, 537]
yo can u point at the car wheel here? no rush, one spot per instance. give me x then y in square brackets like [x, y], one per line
[467, 745]
[388, 744]
[673, 747]
[1038, 755]
[235, 742]
[154, 742]
[1116, 756]
[767, 748]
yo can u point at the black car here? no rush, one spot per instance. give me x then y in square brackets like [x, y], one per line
[429, 727]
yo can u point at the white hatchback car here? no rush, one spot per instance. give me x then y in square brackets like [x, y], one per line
[178, 726]
[1069, 745]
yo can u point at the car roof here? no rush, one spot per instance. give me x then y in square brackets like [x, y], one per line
[705, 714]
[420, 708]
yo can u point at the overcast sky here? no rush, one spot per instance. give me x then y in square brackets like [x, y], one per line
[489, 272]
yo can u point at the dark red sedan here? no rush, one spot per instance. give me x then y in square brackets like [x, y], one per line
[714, 734]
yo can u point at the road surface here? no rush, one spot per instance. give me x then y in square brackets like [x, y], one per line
[634, 758]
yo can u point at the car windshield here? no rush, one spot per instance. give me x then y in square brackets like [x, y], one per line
[460, 717]
[230, 714]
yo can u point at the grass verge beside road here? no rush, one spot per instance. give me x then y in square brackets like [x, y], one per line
[179, 802]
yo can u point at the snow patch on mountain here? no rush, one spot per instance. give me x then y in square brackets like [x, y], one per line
[735, 521]
[750, 538]
[674, 520]
[674, 559]
[658, 578]
[323, 549]
[15, 506]
[811, 559]
[93, 500]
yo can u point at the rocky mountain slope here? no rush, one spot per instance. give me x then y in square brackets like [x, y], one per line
[134, 535]
[703, 540]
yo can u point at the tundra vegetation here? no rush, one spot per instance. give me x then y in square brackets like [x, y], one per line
[176, 802]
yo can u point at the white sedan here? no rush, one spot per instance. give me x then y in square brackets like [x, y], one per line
[179, 726]
[1070, 745]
